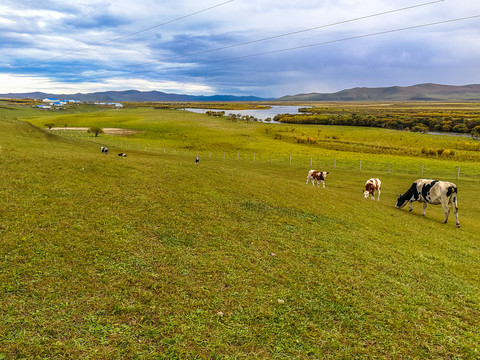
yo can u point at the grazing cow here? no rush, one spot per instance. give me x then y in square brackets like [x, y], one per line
[104, 150]
[431, 192]
[197, 160]
[371, 186]
[122, 154]
[318, 176]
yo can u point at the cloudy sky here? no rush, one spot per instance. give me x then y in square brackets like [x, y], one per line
[267, 48]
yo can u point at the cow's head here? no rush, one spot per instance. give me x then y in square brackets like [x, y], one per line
[401, 201]
[366, 193]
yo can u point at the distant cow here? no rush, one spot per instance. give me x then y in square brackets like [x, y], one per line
[122, 154]
[431, 192]
[197, 160]
[371, 186]
[318, 176]
[104, 150]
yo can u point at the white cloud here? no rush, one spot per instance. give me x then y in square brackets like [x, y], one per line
[15, 83]
[56, 45]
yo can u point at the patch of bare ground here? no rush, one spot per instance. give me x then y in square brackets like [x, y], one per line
[108, 131]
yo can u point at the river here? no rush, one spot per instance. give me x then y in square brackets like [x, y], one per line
[261, 114]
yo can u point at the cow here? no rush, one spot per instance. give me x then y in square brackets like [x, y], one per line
[122, 154]
[371, 186]
[318, 176]
[434, 192]
[104, 150]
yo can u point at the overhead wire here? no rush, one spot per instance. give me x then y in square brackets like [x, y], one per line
[322, 43]
[279, 36]
[136, 32]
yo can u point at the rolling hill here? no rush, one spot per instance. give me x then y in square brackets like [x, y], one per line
[421, 92]
[132, 95]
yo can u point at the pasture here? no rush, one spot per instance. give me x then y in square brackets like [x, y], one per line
[155, 257]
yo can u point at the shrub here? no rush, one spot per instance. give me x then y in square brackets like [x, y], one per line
[462, 128]
[448, 152]
[429, 151]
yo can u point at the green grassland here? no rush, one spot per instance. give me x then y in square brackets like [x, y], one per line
[155, 257]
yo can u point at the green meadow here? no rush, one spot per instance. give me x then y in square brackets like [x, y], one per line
[152, 256]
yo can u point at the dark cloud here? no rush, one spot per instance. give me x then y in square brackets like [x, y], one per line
[237, 48]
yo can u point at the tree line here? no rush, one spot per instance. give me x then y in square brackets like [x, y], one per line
[437, 123]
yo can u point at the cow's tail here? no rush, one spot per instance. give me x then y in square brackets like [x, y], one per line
[452, 192]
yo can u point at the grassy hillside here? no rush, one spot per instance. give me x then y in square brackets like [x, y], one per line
[152, 256]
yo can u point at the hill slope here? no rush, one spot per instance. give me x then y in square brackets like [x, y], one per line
[109, 258]
[421, 92]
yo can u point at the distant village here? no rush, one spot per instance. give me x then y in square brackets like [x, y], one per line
[52, 103]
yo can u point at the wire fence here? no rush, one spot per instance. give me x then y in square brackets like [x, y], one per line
[367, 163]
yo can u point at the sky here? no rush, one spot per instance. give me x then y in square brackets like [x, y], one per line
[265, 48]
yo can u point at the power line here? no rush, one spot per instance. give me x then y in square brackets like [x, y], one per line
[136, 32]
[278, 36]
[328, 42]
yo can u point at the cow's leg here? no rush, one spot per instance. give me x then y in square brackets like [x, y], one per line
[452, 201]
[446, 210]
[455, 211]
[323, 182]
[378, 195]
[424, 208]
[410, 207]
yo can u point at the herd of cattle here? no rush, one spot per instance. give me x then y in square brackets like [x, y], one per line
[424, 191]
[104, 150]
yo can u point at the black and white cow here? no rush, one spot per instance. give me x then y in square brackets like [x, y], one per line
[318, 176]
[122, 155]
[104, 150]
[434, 192]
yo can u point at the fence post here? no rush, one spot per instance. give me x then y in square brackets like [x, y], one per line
[360, 165]
[389, 168]
[238, 155]
[334, 162]
[210, 154]
[254, 156]
[421, 171]
[310, 161]
[458, 172]
[290, 161]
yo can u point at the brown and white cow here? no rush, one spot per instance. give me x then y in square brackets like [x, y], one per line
[372, 185]
[434, 192]
[318, 176]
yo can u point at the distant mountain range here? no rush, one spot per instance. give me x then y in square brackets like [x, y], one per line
[133, 95]
[421, 92]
